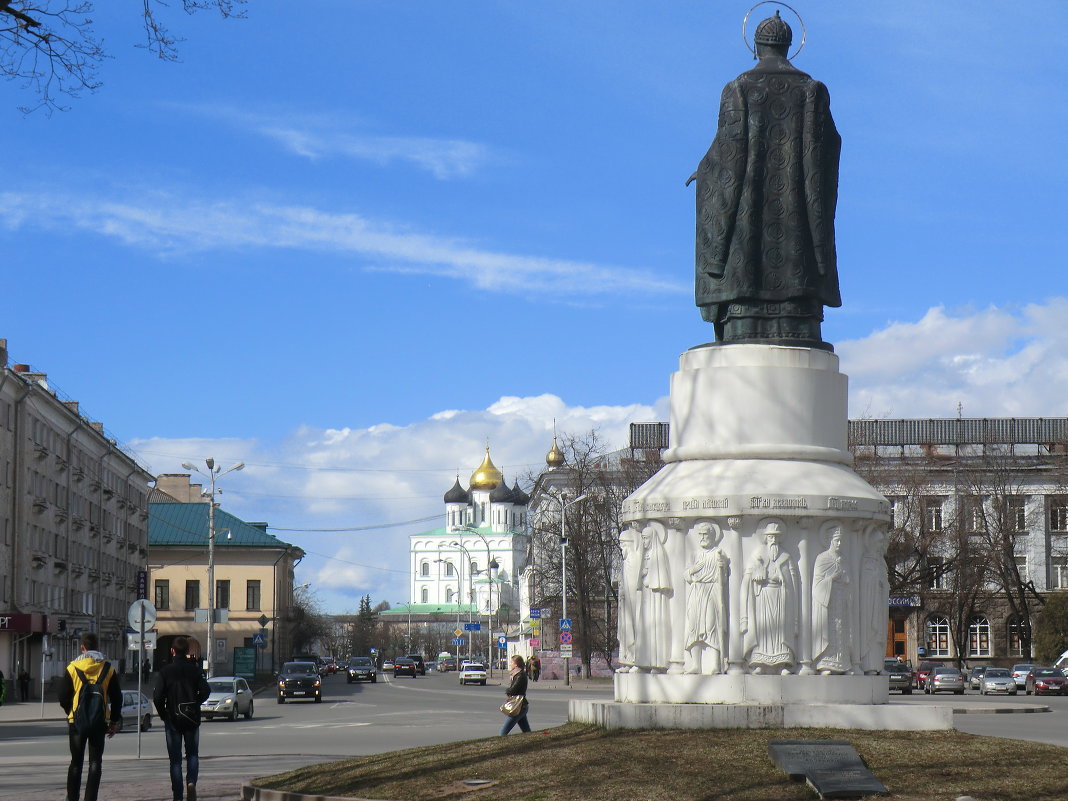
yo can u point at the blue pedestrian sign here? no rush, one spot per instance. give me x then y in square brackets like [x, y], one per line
[565, 624]
[472, 627]
[535, 614]
[502, 643]
[457, 640]
[259, 639]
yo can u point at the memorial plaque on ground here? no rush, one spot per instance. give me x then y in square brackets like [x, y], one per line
[833, 768]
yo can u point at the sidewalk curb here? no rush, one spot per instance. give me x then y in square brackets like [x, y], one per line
[250, 792]
[1020, 709]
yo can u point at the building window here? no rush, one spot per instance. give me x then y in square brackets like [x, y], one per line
[973, 514]
[449, 569]
[897, 512]
[425, 595]
[937, 636]
[932, 513]
[163, 595]
[1058, 573]
[1058, 514]
[424, 570]
[1016, 513]
[1021, 567]
[192, 594]
[474, 568]
[1015, 640]
[222, 594]
[979, 637]
[448, 595]
[937, 573]
[252, 594]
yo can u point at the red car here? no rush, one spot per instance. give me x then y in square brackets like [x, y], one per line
[1046, 681]
[923, 669]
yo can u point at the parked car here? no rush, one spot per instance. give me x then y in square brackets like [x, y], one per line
[387, 664]
[473, 673]
[1045, 681]
[361, 668]
[975, 677]
[944, 679]
[132, 709]
[997, 680]
[419, 663]
[300, 680]
[230, 696]
[403, 666]
[1019, 673]
[923, 669]
[900, 676]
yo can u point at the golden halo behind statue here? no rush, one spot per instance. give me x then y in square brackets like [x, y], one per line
[745, 20]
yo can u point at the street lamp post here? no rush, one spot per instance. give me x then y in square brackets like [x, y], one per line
[489, 596]
[214, 472]
[470, 582]
[564, 503]
[459, 598]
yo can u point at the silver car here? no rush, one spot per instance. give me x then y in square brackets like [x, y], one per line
[944, 680]
[997, 680]
[230, 697]
[135, 706]
[1019, 673]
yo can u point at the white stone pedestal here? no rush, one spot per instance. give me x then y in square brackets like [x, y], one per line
[754, 572]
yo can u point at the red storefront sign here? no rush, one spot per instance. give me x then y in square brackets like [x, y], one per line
[24, 623]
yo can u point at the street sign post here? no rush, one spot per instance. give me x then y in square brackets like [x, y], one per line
[457, 640]
[535, 614]
[565, 624]
[502, 643]
[535, 642]
[141, 617]
[565, 650]
[472, 627]
[565, 637]
[259, 639]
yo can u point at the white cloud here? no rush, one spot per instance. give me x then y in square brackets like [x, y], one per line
[168, 223]
[994, 362]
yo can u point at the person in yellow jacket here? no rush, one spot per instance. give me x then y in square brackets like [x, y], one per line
[92, 665]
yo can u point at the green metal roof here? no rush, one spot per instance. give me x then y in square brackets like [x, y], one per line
[187, 524]
[431, 609]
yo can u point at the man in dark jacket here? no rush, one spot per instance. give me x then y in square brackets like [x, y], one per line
[95, 669]
[180, 690]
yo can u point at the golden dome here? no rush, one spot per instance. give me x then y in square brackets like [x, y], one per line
[487, 476]
[555, 456]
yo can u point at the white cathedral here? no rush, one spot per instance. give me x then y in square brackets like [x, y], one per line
[474, 561]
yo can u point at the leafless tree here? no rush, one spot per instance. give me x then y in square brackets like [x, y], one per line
[53, 48]
[592, 528]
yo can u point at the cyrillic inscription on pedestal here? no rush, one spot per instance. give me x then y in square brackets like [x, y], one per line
[833, 768]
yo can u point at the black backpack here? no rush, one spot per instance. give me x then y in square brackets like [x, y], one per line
[90, 714]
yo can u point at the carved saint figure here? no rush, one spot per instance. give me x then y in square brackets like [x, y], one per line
[705, 640]
[653, 640]
[766, 197]
[630, 543]
[770, 594]
[874, 590]
[832, 604]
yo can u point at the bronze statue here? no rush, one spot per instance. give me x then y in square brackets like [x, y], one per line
[766, 196]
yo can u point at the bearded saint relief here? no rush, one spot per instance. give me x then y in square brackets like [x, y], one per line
[770, 598]
[705, 640]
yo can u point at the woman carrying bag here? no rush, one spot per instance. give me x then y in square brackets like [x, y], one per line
[515, 708]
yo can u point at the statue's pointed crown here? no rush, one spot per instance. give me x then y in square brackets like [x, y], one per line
[774, 31]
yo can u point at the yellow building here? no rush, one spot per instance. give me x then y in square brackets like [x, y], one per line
[253, 578]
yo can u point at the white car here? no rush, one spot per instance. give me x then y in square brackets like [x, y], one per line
[132, 710]
[230, 697]
[473, 673]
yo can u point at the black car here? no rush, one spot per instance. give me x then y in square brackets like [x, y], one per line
[420, 665]
[361, 668]
[299, 680]
[405, 666]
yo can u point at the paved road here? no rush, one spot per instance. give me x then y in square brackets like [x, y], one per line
[352, 720]
[363, 719]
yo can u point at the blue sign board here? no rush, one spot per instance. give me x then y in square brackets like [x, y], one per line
[457, 640]
[535, 614]
[259, 639]
[502, 643]
[565, 624]
[472, 627]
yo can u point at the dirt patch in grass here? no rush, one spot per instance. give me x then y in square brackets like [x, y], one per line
[576, 762]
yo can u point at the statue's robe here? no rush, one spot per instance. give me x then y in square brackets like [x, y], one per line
[767, 191]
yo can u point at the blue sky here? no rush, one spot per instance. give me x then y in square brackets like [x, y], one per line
[350, 244]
